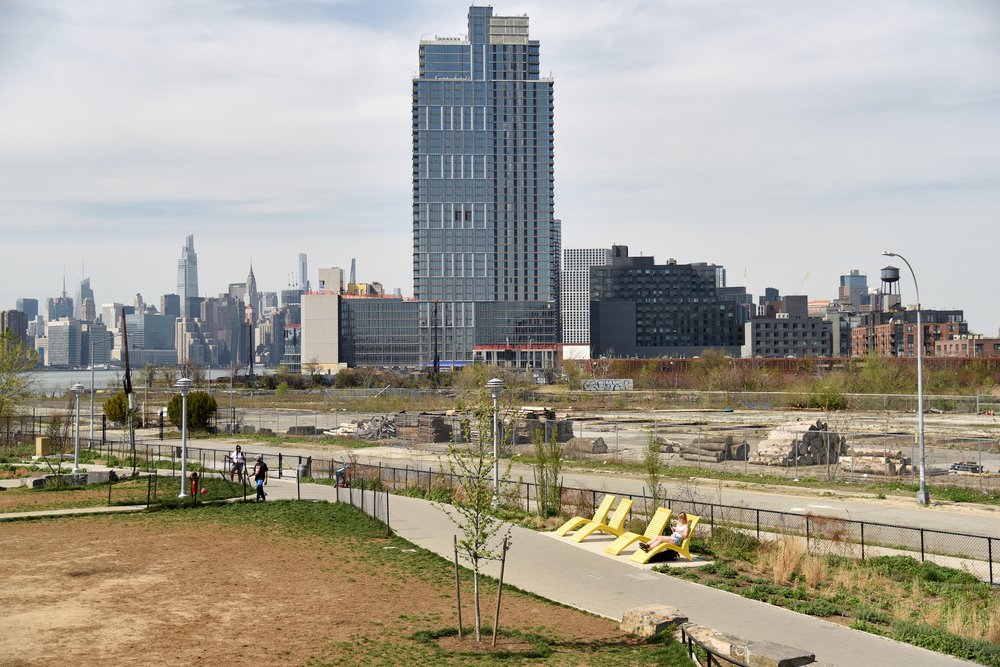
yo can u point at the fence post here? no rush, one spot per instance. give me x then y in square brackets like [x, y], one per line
[807, 533]
[758, 525]
[921, 545]
[862, 540]
[989, 548]
[279, 465]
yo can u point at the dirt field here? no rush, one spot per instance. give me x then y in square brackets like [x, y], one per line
[197, 587]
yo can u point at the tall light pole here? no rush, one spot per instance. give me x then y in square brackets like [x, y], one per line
[92, 388]
[494, 387]
[923, 498]
[184, 386]
[77, 389]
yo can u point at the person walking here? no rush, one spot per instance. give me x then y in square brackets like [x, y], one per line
[238, 462]
[260, 477]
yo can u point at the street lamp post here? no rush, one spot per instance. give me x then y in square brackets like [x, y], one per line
[923, 498]
[494, 387]
[184, 385]
[77, 389]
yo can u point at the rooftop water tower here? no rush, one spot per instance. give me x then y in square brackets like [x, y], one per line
[890, 288]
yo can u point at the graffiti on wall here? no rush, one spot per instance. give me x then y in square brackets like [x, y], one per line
[607, 385]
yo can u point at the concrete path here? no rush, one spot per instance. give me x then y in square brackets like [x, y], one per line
[582, 576]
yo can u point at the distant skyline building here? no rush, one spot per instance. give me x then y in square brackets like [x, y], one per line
[853, 292]
[187, 276]
[170, 305]
[83, 291]
[29, 307]
[574, 296]
[303, 272]
[16, 322]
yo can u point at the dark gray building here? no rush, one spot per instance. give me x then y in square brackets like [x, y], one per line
[788, 336]
[379, 332]
[170, 305]
[643, 309]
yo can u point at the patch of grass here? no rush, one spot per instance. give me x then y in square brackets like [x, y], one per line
[941, 641]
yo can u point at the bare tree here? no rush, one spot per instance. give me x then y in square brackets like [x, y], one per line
[473, 509]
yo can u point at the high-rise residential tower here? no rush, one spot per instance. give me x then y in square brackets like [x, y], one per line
[187, 276]
[485, 235]
[574, 296]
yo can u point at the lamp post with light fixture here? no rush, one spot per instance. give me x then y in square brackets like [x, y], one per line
[184, 386]
[494, 387]
[77, 389]
[923, 498]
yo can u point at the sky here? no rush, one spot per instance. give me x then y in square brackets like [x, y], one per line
[788, 140]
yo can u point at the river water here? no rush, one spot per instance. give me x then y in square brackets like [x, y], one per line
[50, 381]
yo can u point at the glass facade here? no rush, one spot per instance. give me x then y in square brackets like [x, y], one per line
[484, 228]
[642, 309]
[379, 332]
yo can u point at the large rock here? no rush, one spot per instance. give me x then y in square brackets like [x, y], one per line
[651, 619]
[586, 446]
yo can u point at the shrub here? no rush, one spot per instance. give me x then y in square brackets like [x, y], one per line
[116, 409]
[200, 409]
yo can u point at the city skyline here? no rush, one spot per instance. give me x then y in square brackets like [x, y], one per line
[785, 142]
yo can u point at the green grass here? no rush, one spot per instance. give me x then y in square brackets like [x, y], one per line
[894, 596]
[163, 490]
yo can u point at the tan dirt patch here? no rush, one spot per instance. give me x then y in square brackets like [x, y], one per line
[138, 589]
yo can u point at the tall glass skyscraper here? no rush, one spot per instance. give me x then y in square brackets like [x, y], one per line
[187, 276]
[485, 236]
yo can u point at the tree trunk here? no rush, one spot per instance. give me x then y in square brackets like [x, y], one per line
[475, 597]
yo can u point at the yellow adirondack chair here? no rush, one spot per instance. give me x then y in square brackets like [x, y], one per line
[641, 556]
[600, 514]
[615, 524]
[654, 529]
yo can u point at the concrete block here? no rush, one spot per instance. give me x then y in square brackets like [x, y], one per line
[650, 619]
[713, 639]
[770, 654]
[43, 445]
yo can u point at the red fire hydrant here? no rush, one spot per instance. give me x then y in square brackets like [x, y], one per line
[194, 485]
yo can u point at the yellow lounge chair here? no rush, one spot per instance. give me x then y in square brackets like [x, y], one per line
[641, 556]
[654, 529]
[600, 514]
[615, 525]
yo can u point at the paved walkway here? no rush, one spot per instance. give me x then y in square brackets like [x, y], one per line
[582, 576]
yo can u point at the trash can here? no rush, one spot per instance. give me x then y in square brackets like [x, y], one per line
[304, 470]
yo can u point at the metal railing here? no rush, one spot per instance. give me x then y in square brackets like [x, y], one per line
[826, 534]
[711, 656]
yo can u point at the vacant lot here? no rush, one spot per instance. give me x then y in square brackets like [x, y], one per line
[281, 583]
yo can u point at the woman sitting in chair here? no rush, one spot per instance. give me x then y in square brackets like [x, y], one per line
[676, 538]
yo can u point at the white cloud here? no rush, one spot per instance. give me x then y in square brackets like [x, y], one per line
[778, 137]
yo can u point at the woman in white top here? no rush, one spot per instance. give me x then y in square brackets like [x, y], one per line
[676, 538]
